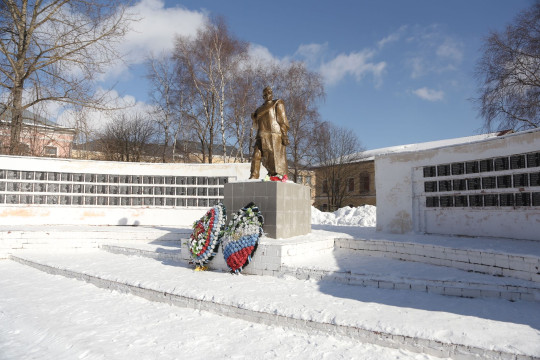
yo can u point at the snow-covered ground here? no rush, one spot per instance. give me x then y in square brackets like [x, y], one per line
[51, 317]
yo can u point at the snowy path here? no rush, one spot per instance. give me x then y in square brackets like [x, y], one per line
[50, 317]
[497, 325]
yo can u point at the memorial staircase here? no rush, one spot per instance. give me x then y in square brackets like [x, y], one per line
[448, 284]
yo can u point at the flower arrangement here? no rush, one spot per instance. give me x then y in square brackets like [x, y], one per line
[206, 235]
[241, 237]
[280, 178]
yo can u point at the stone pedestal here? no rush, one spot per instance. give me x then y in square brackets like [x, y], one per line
[286, 207]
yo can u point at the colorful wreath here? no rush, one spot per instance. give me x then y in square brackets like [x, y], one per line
[207, 231]
[241, 237]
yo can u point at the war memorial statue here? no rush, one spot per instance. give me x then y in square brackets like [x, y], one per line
[271, 141]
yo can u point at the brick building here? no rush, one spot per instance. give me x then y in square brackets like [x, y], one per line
[39, 136]
[360, 183]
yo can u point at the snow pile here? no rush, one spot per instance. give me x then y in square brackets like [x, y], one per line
[348, 216]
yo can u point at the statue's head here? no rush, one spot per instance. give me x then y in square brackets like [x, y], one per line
[267, 93]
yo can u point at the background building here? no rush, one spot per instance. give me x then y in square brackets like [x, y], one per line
[39, 136]
[358, 183]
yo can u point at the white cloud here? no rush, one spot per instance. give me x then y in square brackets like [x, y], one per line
[395, 36]
[157, 27]
[96, 120]
[357, 64]
[418, 67]
[450, 50]
[311, 53]
[429, 94]
[259, 53]
[154, 32]
[430, 51]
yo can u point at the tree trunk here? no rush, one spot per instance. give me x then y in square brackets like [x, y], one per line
[16, 121]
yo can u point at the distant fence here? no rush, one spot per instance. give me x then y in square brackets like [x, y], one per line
[66, 191]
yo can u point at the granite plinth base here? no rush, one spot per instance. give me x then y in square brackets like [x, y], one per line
[286, 207]
[272, 255]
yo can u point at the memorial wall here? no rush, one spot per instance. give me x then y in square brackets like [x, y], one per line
[489, 187]
[65, 191]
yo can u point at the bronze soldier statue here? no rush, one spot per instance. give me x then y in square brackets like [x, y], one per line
[270, 145]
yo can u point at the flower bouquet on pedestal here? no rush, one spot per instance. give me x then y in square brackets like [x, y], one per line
[279, 178]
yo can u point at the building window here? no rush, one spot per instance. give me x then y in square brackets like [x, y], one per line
[533, 160]
[432, 201]
[501, 164]
[523, 199]
[325, 186]
[308, 180]
[51, 151]
[459, 184]
[445, 185]
[430, 186]
[486, 165]
[521, 180]
[460, 201]
[472, 167]
[325, 207]
[299, 179]
[364, 183]
[458, 168]
[443, 170]
[350, 185]
[517, 162]
[430, 171]
[447, 201]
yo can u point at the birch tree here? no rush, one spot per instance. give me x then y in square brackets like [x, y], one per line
[167, 99]
[245, 97]
[206, 63]
[509, 74]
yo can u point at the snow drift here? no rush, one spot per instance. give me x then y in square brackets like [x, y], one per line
[347, 216]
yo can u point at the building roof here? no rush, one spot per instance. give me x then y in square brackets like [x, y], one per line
[370, 154]
[182, 147]
[31, 119]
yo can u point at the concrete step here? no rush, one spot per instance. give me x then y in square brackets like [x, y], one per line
[353, 268]
[71, 236]
[486, 261]
[163, 251]
[503, 331]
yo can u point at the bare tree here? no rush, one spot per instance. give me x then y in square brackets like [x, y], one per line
[126, 137]
[52, 50]
[206, 62]
[245, 96]
[228, 53]
[301, 89]
[335, 150]
[509, 74]
[167, 99]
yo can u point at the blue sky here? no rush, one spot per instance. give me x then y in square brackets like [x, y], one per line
[396, 72]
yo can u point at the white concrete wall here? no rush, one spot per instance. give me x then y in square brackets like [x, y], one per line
[401, 198]
[44, 214]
